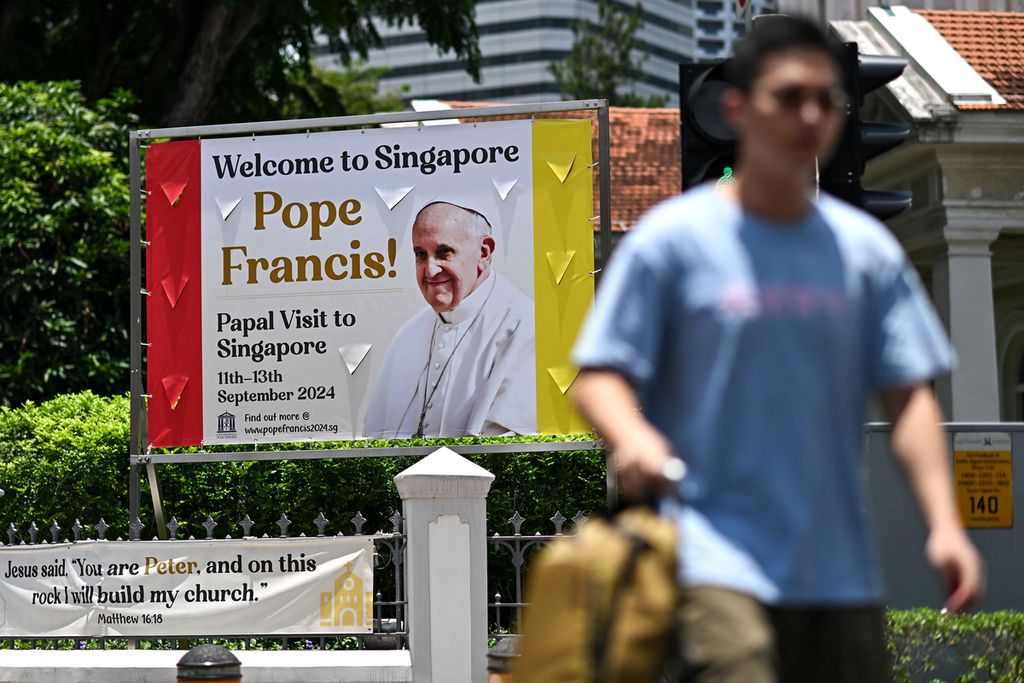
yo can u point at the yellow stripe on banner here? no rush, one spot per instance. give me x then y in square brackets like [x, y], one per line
[563, 258]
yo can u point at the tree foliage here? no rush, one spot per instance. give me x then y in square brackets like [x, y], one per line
[64, 242]
[64, 148]
[605, 62]
[192, 62]
[354, 88]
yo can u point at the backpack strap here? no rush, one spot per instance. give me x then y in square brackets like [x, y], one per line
[605, 622]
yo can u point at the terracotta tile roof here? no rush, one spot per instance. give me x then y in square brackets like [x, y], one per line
[644, 157]
[645, 161]
[992, 43]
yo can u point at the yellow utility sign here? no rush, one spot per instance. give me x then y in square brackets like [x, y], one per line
[983, 474]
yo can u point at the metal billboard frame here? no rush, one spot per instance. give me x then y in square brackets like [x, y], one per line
[139, 452]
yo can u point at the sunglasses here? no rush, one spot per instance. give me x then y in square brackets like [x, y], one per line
[793, 98]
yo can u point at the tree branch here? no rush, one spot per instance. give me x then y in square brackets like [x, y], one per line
[223, 29]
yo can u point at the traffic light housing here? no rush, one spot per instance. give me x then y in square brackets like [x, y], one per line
[708, 143]
[863, 140]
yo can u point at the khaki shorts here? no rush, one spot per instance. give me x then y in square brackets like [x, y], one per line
[729, 637]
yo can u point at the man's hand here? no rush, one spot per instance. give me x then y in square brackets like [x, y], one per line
[641, 462]
[919, 442]
[953, 555]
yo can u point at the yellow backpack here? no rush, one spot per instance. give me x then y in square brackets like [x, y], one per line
[603, 605]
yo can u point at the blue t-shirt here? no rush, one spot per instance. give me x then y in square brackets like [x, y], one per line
[754, 347]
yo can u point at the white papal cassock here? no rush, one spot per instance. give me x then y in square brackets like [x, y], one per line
[470, 370]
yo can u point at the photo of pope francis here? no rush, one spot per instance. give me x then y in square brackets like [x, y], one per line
[464, 363]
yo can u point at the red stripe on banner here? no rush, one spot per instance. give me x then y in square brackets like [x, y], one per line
[174, 364]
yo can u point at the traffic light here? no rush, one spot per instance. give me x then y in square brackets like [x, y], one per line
[708, 143]
[863, 140]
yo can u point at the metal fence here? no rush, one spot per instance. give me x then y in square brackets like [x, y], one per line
[505, 615]
[509, 555]
[389, 608]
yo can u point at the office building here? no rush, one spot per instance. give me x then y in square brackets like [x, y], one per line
[519, 39]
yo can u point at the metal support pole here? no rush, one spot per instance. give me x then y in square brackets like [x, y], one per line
[611, 482]
[133, 491]
[259, 127]
[135, 324]
[604, 180]
[381, 452]
[158, 504]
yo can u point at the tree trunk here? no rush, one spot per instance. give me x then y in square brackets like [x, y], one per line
[8, 13]
[223, 28]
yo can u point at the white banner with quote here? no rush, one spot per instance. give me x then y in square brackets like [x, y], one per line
[309, 586]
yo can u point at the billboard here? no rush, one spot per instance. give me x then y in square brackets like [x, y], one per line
[378, 283]
[167, 588]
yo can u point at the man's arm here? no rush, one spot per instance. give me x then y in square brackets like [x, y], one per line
[606, 399]
[919, 443]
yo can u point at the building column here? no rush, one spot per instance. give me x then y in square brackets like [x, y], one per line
[444, 500]
[962, 289]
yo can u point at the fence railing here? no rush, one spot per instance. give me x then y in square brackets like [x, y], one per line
[430, 578]
[505, 615]
[507, 568]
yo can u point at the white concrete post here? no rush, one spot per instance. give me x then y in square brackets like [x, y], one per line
[962, 288]
[444, 501]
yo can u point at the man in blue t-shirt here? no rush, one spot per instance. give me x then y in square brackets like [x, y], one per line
[743, 328]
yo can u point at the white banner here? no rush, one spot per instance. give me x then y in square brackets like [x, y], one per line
[187, 588]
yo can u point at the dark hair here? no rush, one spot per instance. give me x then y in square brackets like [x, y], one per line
[773, 34]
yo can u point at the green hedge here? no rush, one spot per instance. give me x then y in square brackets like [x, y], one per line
[67, 458]
[63, 459]
[928, 645]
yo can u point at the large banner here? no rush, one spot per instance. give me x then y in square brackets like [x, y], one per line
[195, 588]
[383, 283]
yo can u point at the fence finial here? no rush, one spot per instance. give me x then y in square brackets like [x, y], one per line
[283, 524]
[135, 528]
[517, 522]
[558, 520]
[358, 521]
[321, 523]
[246, 525]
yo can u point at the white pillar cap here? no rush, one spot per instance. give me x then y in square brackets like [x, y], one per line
[444, 474]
